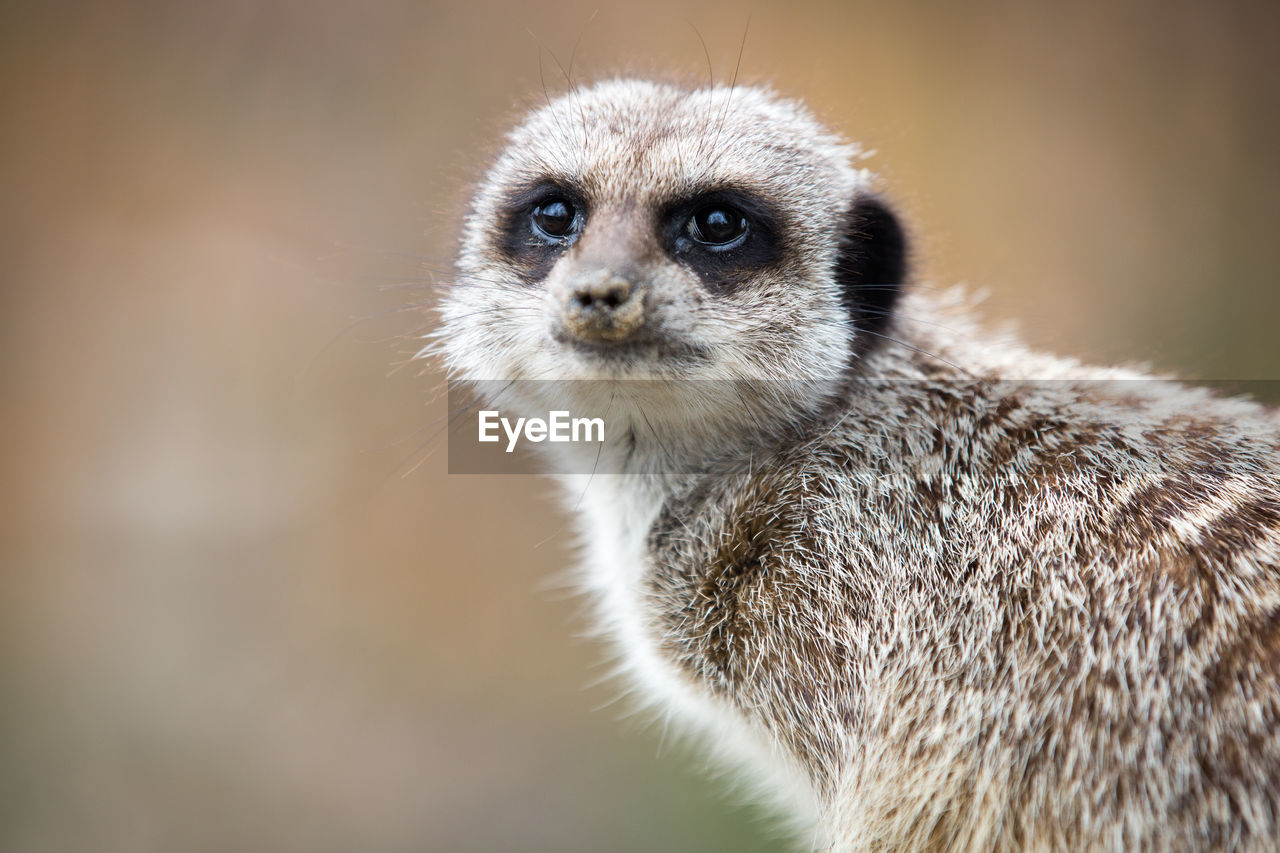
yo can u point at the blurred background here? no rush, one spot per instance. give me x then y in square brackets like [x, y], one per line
[242, 604]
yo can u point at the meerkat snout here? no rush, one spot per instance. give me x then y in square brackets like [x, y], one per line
[599, 288]
[600, 305]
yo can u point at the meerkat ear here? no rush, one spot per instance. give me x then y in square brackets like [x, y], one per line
[872, 265]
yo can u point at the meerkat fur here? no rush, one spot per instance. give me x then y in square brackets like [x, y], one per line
[938, 591]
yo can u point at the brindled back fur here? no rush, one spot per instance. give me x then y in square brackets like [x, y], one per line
[949, 594]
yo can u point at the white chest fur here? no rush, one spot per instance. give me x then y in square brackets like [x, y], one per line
[615, 514]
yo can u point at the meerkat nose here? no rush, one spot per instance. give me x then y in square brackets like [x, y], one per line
[606, 295]
[602, 306]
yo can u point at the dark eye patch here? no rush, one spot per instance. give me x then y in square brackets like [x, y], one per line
[537, 224]
[724, 236]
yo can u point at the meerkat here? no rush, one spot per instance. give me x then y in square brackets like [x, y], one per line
[933, 590]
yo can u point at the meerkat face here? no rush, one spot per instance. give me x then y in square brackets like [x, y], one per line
[637, 230]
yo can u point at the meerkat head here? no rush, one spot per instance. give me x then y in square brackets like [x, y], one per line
[634, 230]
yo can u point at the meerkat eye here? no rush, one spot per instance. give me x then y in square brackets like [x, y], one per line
[556, 219]
[717, 226]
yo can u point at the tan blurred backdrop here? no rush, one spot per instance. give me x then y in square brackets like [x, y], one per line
[243, 606]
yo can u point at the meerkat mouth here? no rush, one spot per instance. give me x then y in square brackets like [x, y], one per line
[646, 351]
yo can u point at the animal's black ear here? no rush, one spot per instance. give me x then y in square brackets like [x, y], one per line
[872, 266]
